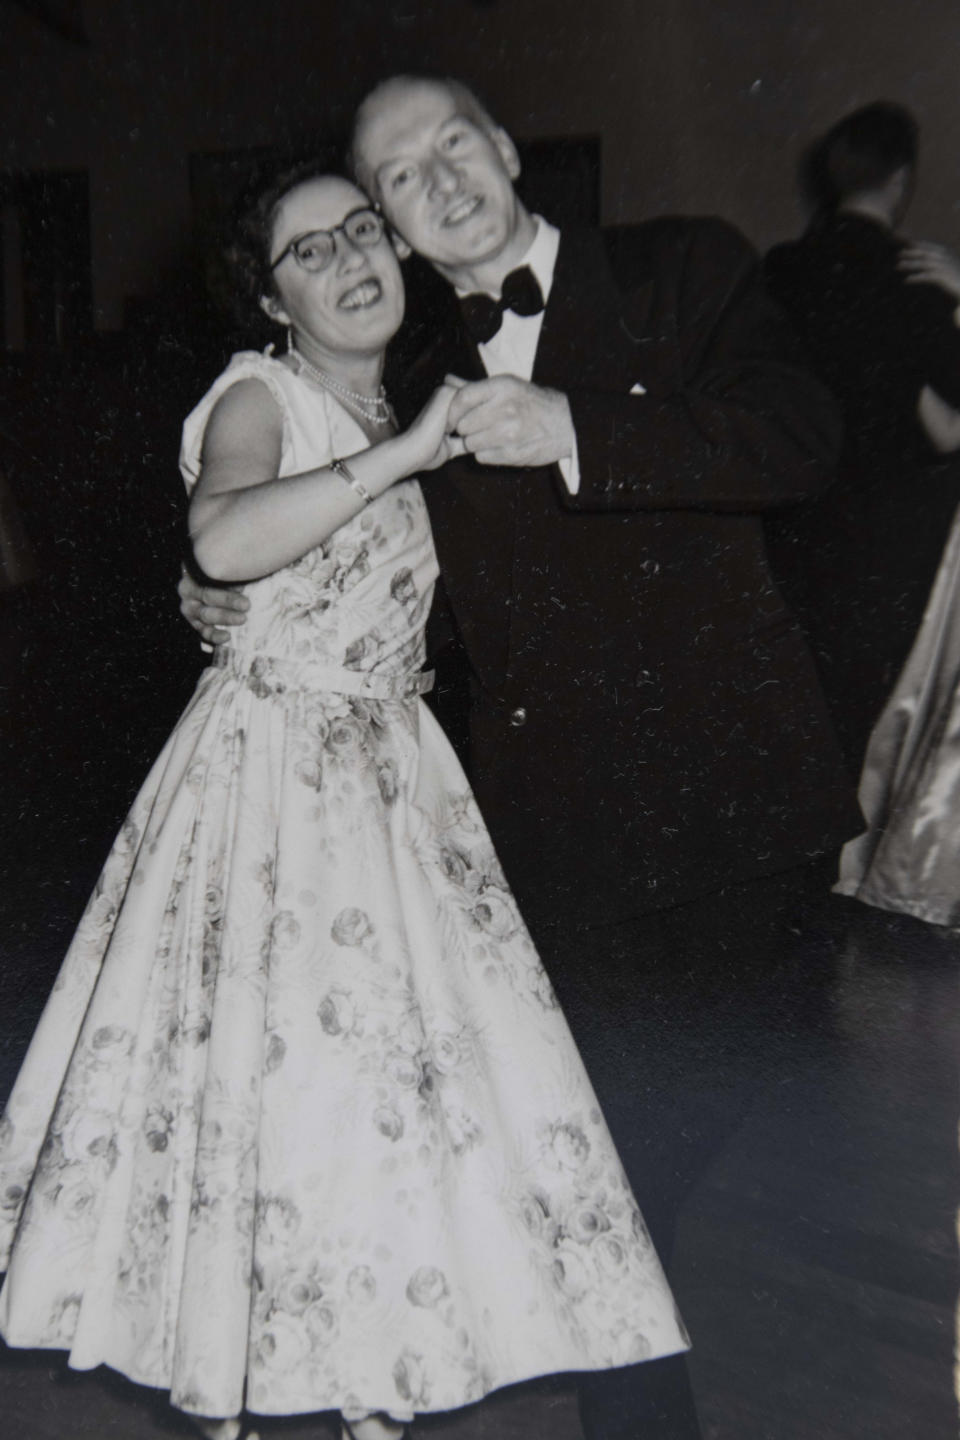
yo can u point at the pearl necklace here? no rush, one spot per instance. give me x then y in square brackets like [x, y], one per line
[374, 408]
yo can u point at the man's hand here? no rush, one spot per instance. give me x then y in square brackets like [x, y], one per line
[209, 609]
[925, 263]
[506, 421]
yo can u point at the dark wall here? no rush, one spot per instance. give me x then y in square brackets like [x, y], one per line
[702, 105]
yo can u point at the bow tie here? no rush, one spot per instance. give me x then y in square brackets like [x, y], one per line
[483, 315]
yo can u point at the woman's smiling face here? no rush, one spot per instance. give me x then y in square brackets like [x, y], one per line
[355, 304]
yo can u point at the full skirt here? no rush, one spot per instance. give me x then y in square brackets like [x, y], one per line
[302, 1126]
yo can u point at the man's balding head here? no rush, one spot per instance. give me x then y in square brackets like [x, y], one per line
[377, 107]
[442, 170]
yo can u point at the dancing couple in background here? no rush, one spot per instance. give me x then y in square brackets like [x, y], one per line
[879, 314]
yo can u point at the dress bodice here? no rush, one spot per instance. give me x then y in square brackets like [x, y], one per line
[359, 602]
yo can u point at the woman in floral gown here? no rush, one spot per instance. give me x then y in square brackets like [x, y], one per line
[301, 1127]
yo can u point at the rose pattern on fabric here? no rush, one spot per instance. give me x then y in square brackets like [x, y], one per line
[302, 1124]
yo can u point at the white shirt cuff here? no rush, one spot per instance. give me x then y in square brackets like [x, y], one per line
[570, 470]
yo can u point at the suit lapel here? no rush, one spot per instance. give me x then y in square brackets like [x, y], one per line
[592, 336]
[430, 345]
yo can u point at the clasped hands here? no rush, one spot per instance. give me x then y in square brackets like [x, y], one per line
[926, 263]
[507, 421]
[501, 421]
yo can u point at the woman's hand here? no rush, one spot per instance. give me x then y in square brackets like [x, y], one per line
[208, 609]
[939, 421]
[924, 263]
[247, 520]
[429, 440]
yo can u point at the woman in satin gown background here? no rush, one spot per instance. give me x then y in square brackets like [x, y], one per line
[908, 859]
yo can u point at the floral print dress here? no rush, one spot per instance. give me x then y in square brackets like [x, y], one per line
[302, 1127]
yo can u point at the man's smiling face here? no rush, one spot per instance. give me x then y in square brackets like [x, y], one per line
[443, 177]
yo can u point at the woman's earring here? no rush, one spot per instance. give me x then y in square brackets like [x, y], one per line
[290, 344]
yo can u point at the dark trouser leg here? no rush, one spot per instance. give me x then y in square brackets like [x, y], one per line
[600, 981]
[682, 1016]
[639, 1402]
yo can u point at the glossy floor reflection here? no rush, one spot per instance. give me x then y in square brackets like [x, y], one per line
[816, 1264]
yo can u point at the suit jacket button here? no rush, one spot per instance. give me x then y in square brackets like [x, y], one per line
[518, 717]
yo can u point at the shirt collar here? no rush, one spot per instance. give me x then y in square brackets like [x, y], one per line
[541, 256]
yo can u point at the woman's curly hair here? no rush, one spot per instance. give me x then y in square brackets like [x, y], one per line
[246, 255]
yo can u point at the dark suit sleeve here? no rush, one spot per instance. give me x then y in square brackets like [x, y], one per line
[874, 338]
[737, 424]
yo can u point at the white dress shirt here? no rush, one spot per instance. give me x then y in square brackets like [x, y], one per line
[513, 350]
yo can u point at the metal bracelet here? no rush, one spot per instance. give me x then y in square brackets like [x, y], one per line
[341, 468]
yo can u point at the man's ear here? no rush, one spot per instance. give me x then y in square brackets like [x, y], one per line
[507, 151]
[273, 310]
[401, 249]
[898, 192]
[903, 178]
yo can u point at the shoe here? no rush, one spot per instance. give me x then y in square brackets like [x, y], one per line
[246, 1431]
[347, 1431]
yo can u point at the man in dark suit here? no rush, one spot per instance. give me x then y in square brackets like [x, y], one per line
[646, 735]
[881, 333]
[631, 659]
